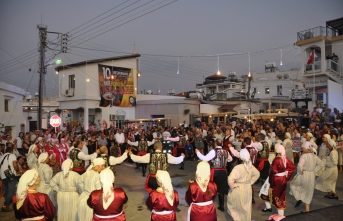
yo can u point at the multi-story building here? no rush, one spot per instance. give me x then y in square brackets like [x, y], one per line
[323, 70]
[99, 91]
[11, 111]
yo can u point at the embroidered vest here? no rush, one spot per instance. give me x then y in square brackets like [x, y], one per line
[264, 153]
[142, 146]
[158, 161]
[76, 161]
[220, 159]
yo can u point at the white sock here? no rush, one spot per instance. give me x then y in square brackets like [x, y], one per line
[268, 206]
[281, 212]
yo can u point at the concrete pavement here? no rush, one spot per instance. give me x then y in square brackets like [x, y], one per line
[132, 181]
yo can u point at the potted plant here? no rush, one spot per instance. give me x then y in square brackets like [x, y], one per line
[98, 110]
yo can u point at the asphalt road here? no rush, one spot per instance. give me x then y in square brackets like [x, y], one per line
[132, 181]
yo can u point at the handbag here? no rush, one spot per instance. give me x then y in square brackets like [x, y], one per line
[265, 188]
[8, 173]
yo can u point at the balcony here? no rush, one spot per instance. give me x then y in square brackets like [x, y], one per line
[317, 67]
[315, 32]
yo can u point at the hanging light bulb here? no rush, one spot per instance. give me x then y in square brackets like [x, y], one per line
[178, 65]
[281, 58]
[139, 73]
[218, 72]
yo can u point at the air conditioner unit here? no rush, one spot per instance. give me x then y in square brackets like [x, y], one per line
[112, 117]
[69, 92]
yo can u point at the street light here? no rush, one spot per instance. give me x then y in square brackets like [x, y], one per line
[248, 93]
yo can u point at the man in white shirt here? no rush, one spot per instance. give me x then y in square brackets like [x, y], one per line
[120, 139]
[166, 133]
[9, 160]
[79, 157]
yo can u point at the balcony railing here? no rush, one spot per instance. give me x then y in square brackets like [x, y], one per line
[315, 32]
[316, 67]
[334, 66]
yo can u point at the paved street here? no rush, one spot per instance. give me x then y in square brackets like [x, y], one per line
[132, 182]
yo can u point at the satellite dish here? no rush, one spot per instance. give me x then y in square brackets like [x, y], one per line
[279, 76]
[232, 73]
[285, 76]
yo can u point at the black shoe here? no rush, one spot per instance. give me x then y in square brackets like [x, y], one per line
[6, 209]
[328, 195]
[298, 203]
[333, 197]
[253, 201]
[267, 210]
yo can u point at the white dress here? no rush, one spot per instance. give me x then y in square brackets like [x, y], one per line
[288, 144]
[326, 182]
[32, 161]
[322, 154]
[89, 181]
[302, 185]
[67, 195]
[239, 199]
[45, 173]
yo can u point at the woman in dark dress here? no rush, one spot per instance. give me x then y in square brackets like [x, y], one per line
[92, 145]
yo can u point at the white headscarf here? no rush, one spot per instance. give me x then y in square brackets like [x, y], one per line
[107, 179]
[245, 156]
[309, 134]
[332, 143]
[327, 136]
[26, 180]
[281, 149]
[42, 157]
[308, 145]
[288, 135]
[32, 147]
[164, 180]
[202, 175]
[66, 166]
[96, 162]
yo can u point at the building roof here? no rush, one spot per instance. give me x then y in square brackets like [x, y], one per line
[58, 68]
[336, 23]
[216, 77]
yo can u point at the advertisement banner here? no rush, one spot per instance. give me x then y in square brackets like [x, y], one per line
[116, 86]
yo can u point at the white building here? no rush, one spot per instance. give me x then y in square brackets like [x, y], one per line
[100, 90]
[30, 107]
[177, 109]
[324, 77]
[11, 111]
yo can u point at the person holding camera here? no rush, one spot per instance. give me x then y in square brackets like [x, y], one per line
[8, 171]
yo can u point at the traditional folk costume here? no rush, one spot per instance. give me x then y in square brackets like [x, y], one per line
[32, 157]
[157, 161]
[227, 140]
[40, 144]
[302, 185]
[142, 149]
[326, 182]
[78, 158]
[65, 183]
[164, 200]
[45, 173]
[29, 204]
[218, 159]
[288, 144]
[200, 195]
[323, 153]
[240, 181]
[89, 181]
[262, 162]
[281, 171]
[62, 151]
[107, 204]
[51, 151]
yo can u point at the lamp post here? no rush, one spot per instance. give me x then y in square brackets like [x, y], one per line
[248, 93]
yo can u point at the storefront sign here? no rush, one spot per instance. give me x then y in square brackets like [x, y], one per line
[116, 86]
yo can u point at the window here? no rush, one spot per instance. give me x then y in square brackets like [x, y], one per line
[7, 102]
[267, 90]
[279, 90]
[71, 81]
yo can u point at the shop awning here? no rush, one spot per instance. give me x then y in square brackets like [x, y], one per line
[228, 108]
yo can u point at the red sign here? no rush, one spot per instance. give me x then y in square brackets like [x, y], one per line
[55, 121]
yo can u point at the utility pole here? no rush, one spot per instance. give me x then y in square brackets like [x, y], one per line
[42, 71]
